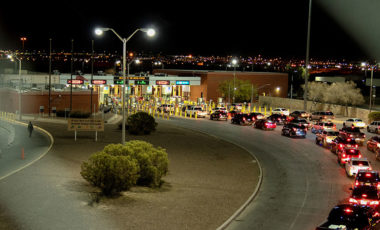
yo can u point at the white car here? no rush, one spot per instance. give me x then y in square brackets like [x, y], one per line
[356, 122]
[374, 127]
[196, 110]
[353, 165]
[281, 111]
[218, 109]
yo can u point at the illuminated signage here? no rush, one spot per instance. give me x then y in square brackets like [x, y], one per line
[132, 78]
[118, 82]
[98, 82]
[182, 82]
[75, 81]
[162, 82]
[141, 82]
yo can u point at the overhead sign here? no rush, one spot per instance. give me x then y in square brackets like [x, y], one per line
[76, 124]
[132, 78]
[98, 82]
[162, 82]
[75, 82]
[141, 82]
[182, 82]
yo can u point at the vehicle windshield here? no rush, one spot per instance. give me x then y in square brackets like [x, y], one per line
[329, 124]
[359, 120]
[198, 109]
[328, 113]
[360, 163]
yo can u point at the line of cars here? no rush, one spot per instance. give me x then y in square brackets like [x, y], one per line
[361, 211]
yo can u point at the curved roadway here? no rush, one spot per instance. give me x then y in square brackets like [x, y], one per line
[301, 181]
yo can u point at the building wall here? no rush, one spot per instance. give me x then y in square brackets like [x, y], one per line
[32, 101]
[210, 81]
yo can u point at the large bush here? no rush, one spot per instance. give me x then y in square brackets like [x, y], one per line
[153, 162]
[374, 116]
[141, 122]
[111, 173]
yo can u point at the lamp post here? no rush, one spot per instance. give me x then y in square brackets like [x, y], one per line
[150, 33]
[234, 62]
[307, 57]
[19, 78]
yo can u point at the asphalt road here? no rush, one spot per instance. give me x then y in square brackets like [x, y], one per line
[301, 181]
[11, 155]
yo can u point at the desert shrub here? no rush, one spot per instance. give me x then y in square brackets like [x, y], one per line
[141, 122]
[153, 161]
[111, 173]
[374, 116]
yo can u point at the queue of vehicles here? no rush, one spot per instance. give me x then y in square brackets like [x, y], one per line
[361, 211]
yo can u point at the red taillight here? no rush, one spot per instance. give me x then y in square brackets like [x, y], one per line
[347, 210]
[364, 195]
[374, 202]
[364, 135]
[243, 118]
[348, 139]
[368, 175]
[356, 146]
[350, 135]
[341, 145]
[294, 129]
[352, 150]
[356, 183]
[378, 185]
[343, 155]
[359, 156]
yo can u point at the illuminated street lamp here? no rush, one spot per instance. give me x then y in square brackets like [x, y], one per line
[150, 33]
[23, 39]
[11, 56]
[234, 63]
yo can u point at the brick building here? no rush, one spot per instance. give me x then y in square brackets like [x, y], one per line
[271, 84]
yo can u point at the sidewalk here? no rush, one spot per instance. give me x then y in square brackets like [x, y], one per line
[208, 181]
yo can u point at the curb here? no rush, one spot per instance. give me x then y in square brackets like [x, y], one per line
[38, 158]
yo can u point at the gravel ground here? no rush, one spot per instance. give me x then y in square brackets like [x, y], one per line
[208, 180]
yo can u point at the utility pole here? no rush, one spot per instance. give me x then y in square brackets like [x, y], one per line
[92, 74]
[49, 76]
[71, 69]
[307, 57]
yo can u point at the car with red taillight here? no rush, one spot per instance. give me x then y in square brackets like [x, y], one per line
[322, 126]
[351, 217]
[367, 177]
[301, 121]
[339, 143]
[354, 165]
[278, 118]
[373, 143]
[353, 133]
[265, 124]
[374, 126]
[365, 196]
[218, 115]
[256, 116]
[325, 138]
[294, 130]
[347, 153]
[241, 119]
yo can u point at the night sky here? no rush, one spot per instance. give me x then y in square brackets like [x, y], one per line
[270, 28]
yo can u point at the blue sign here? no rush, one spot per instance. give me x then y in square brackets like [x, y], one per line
[182, 82]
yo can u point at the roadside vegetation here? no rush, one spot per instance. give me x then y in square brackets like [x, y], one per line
[119, 167]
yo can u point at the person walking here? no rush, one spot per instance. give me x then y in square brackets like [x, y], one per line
[30, 128]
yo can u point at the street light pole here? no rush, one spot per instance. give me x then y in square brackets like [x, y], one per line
[150, 32]
[49, 76]
[307, 57]
[370, 91]
[20, 83]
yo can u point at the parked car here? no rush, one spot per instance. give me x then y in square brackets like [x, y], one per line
[351, 217]
[241, 119]
[356, 164]
[353, 133]
[264, 124]
[355, 122]
[278, 118]
[373, 143]
[281, 111]
[320, 126]
[322, 115]
[299, 114]
[196, 110]
[367, 177]
[374, 127]
[218, 115]
[292, 130]
[218, 109]
[326, 137]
